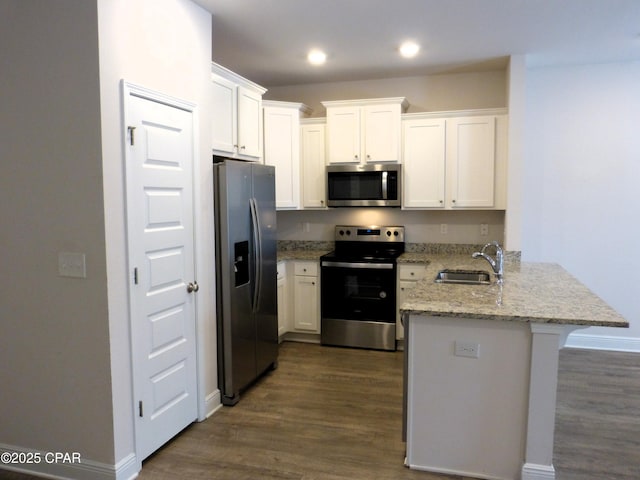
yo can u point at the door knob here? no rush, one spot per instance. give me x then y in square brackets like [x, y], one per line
[193, 287]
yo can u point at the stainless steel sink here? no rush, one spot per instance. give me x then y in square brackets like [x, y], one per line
[467, 277]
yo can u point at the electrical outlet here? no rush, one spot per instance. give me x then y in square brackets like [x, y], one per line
[484, 229]
[443, 228]
[467, 349]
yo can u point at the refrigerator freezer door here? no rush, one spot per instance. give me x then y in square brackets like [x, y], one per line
[266, 307]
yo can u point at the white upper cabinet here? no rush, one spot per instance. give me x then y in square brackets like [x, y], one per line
[237, 115]
[282, 149]
[424, 163]
[314, 175]
[455, 162]
[471, 157]
[361, 131]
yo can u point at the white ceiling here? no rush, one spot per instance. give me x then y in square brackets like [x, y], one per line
[267, 40]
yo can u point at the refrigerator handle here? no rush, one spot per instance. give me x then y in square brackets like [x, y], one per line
[257, 248]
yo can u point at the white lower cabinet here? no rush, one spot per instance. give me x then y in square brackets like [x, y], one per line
[408, 276]
[306, 297]
[283, 299]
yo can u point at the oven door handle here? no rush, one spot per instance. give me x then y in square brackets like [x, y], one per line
[376, 266]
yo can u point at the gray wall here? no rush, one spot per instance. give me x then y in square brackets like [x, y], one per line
[54, 346]
[582, 170]
[65, 344]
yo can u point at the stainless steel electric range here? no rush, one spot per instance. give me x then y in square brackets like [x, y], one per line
[358, 287]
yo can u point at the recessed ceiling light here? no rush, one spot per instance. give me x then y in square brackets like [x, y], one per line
[409, 49]
[317, 57]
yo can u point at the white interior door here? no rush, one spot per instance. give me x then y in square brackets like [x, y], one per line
[159, 166]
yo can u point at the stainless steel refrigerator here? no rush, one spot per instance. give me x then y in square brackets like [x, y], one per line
[246, 297]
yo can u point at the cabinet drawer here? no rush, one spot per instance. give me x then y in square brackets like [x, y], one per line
[412, 272]
[306, 268]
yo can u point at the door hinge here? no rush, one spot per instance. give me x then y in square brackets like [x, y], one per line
[131, 136]
[135, 276]
[140, 408]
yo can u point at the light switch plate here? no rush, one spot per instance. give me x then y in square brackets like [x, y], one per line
[72, 264]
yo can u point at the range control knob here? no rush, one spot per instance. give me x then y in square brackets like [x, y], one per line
[348, 232]
[341, 232]
[388, 233]
[395, 234]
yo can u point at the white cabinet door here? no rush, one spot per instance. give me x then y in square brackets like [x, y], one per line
[408, 277]
[424, 163]
[236, 129]
[282, 149]
[306, 304]
[471, 161]
[249, 123]
[283, 307]
[403, 289]
[314, 181]
[224, 118]
[360, 131]
[343, 135]
[382, 133]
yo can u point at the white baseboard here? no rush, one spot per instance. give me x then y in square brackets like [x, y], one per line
[453, 472]
[212, 403]
[603, 342]
[46, 465]
[532, 471]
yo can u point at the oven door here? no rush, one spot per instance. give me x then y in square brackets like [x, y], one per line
[358, 304]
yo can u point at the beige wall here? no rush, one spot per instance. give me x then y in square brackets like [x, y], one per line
[460, 91]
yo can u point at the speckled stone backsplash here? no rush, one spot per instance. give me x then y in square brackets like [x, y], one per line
[454, 249]
[428, 248]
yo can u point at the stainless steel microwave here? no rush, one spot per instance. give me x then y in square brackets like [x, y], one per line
[363, 185]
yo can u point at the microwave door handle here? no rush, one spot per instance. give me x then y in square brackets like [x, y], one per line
[384, 185]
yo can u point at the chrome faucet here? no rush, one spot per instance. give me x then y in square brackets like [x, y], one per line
[498, 264]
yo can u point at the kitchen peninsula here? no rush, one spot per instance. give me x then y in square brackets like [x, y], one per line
[481, 364]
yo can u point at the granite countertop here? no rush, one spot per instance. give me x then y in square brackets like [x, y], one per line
[415, 257]
[301, 254]
[532, 292]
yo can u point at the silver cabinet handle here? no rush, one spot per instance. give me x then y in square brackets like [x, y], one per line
[193, 287]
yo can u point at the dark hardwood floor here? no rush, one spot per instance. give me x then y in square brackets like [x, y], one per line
[335, 413]
[598, 416]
